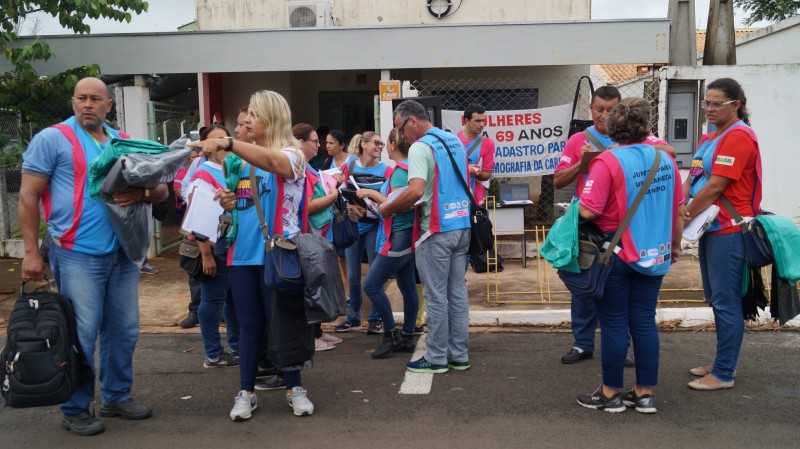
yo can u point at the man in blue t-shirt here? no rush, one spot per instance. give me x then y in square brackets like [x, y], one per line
[86, 259]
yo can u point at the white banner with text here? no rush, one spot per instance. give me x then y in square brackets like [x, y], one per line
[528, 142]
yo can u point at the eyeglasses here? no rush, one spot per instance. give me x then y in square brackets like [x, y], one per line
[714, 105]
[400, 129]
[316, 141]
[378, 143]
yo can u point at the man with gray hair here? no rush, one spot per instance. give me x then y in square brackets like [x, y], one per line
[441, 232]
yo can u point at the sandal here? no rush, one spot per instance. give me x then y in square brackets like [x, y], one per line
[709, 383]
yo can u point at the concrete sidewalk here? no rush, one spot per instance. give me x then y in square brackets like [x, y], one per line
[164, 297]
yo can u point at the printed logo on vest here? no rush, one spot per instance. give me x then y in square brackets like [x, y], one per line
[725, 160]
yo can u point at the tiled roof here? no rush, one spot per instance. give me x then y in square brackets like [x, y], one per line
[617, 73]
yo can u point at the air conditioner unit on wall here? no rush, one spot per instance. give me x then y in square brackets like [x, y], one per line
[309, 15]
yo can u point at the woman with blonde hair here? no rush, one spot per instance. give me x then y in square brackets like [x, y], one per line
[278, 172]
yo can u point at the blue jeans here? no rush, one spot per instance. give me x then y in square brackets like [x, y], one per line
[213, 296]
[721, 268]
[403, 267]
[353, 256]
[105, 297]
[628, 310]
[584, 322]
[440, 262]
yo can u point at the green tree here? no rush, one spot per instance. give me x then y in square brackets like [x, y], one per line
[769, 10]
[22, 90]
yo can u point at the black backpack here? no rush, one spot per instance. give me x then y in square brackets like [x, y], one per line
[479, 265]
[42, 363]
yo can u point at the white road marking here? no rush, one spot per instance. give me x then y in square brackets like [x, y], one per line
[417, 383]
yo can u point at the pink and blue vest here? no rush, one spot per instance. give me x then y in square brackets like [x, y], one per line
[85, 223]
[707, 152]
[647, 242]
[449, 203]
[383, 242]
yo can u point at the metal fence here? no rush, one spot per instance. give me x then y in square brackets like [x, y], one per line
[167, 124]
[505, 94]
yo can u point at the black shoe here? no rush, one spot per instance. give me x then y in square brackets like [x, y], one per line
[599, 401]
[392, 341]
[419, 330]
[575, 356]
[629, 362]
[642, 404]
[273, 382]
[375, 327]
[189, 322]
[408, 343]
[126, 410]
[83, 424]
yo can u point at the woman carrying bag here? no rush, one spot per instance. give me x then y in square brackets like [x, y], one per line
[277, 183]
[727, 165]
[649, 244]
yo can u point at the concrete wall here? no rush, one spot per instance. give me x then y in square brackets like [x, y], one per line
[248, 14]
[772, 94]
[775, 44]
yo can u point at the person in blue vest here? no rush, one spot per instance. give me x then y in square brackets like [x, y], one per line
[368, 162]
[582, 313]
[395, 257]
[279, 177]
[441, 235]
[727, 163]
[86, 259]
[215, 283]
[648, 247]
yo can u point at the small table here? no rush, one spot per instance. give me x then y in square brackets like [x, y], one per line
[510, 220]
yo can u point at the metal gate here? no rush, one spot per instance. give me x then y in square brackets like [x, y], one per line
[168, 123]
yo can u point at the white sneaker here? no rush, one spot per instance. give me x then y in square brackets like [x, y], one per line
[299, 402]
[243, 406]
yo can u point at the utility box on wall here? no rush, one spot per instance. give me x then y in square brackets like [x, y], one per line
[682, 120]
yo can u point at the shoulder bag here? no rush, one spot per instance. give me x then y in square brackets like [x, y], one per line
[190, 259]
[757, 249]
[575, 125]
[344, 226]
[281, 262]
[595, 261]
[482, 235]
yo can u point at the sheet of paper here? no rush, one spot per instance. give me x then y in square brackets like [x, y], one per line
[396, 193]
[202, 215]
[695, 228]
[328, 182]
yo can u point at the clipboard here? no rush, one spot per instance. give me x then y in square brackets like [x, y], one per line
[586, 158]
[700, 223]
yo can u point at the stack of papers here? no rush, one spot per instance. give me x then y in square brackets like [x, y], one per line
[202, 215]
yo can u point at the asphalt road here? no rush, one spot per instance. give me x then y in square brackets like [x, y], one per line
[517, 395]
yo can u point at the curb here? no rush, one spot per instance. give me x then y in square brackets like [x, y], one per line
[688, 317]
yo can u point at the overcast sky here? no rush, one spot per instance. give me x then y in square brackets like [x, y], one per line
[168, 15]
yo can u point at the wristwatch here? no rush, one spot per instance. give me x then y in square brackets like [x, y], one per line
[146, 194]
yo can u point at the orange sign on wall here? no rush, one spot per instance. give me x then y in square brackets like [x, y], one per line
[389, 90]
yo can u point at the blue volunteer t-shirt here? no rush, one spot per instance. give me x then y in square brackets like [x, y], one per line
[74, 214]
